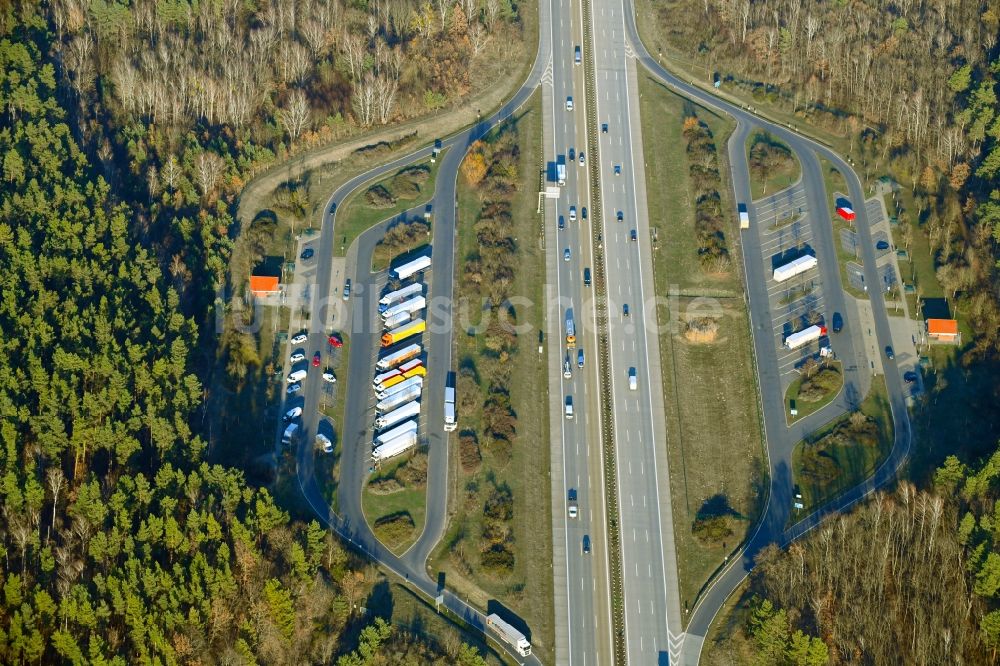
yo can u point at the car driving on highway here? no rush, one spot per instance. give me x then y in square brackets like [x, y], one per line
[572, 213]
[566, 254]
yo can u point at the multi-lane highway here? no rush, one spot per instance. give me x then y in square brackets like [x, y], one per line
[653, 624]
[780, 439]
[583, 615]
[653, 621]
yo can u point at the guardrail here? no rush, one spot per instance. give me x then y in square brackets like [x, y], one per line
[615, 581]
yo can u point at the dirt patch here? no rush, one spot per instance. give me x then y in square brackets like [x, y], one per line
[702, 330]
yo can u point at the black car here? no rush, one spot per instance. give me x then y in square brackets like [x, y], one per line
[307, 253]
[621, 216]
[586, 277]
[882, 245]
[562, 222]
[633, 235]
[572, 154]
[625, 310]
[586, 543]
[838, 322]
[604, 128]
[618, 169]
[583, 212]
[888, 353]
[909, 376]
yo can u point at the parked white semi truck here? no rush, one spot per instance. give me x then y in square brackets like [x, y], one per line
[794, 267]
[408, 411]
[395, 447]
[805, 336]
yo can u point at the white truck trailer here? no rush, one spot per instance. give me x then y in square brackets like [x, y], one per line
[805, 336]
[402, 429]
[400, 295]
[449, 409]
[411, 307]
[410, 268]
[744, 216]
[408, 411]
[394, 447]
[795, 267]
[390, 361]
[396, 320]
[397, 399]
[404, 385]
[509, 635]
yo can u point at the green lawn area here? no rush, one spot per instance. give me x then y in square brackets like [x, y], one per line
[356, 214]
[844, 465]
[528, 590]
[785, 169]
[919, 269]
[710, 389]
[804, 407]
[408, 500]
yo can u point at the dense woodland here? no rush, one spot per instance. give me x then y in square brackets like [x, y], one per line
[920, 587]
[121, 541]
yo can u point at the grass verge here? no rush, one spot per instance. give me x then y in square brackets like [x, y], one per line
[524, 469]
[838, 457]
[327, 469]
[710, 390]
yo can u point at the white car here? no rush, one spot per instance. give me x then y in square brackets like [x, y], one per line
[329, 377]
[325, 441]
[293, 413]
[569, 103]
[294, 388]
[300, 338]
[567, 373]
[572, 213]
[297, 356]
[632, 383]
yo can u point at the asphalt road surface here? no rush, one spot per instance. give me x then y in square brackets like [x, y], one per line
[780, 439]
[356, 437]
[583, 613]
[653, 623]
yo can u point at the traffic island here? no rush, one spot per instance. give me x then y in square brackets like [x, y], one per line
[842, 454]
[394, 501]
[816, 386]
[773, 165]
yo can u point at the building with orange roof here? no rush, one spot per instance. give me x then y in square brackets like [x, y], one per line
[943, 330]
[264, 285]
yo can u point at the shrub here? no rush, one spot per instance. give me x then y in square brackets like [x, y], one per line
[413, 474]
[468, 451]
[378, 196]
[394, 528]
[712, 529]
[497, 560]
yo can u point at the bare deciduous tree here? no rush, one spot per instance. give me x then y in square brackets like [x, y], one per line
[208, 168]
[295, 116]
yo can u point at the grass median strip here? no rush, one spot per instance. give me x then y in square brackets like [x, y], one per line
[709, 381]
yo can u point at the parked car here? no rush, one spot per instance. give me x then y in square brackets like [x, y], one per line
[297, 357]
[347, 289]
[293, 413]
[300, 338]
[328, 376]
[294, 388]
[335, 341]
[325, 442]
[307, 253]
[838, 322]
[909, 376]
[882, 245]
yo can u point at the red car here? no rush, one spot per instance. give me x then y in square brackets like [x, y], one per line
[316, 359]
[334, 341]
